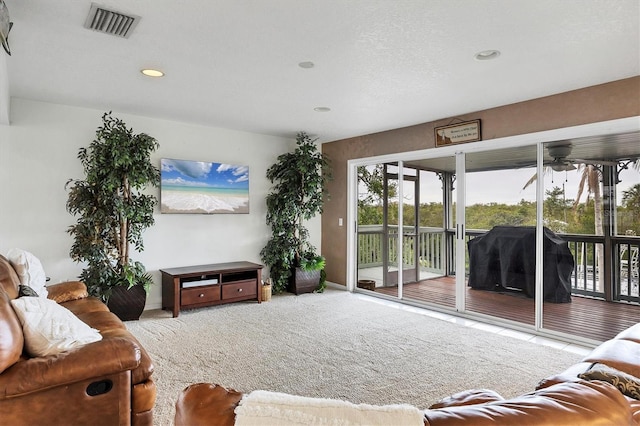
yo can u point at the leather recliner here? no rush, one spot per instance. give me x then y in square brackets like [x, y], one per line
[102, 383]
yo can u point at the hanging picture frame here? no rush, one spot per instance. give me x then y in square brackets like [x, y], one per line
[467, 131]
[202, 187]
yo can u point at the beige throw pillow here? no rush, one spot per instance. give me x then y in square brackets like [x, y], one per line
[50, 328]
[29, 270]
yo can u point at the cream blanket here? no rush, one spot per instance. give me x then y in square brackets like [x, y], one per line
[273, 408]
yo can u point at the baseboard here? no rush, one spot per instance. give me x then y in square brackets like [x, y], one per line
[336, 286]
[158, 305]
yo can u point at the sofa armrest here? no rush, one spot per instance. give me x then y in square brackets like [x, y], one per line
[468, 397]
[569, 403]
[67, 291]
[202, 404]
[569, 375]
[98, 359]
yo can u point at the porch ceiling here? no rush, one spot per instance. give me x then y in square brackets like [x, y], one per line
[615, 147]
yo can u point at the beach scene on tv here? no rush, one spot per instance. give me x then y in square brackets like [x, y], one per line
[188, 186]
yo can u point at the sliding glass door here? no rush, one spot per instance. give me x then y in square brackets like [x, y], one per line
[375, 195]
[500, 216]
[405, 240]
[387, 230]
[401, 236]
[539, 232]
[591, 205]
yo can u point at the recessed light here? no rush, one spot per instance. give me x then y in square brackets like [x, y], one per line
[486, 55]
[322, 109]
[152, 73]
[306, 64]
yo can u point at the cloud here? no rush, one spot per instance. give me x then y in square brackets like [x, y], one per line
[193, 169]
[182, 182]
[242, 178]
[241, 171]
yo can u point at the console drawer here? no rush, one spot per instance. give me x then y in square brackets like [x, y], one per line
[244, 288]
[196, 295]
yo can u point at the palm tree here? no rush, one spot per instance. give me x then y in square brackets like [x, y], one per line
[590, 180]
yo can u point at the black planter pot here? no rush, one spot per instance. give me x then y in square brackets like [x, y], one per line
[127, 304]
[302, 281]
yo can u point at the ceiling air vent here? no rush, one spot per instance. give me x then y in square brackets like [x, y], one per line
[110, 22]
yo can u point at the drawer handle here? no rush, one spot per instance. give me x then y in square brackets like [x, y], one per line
[239, 290]
[201, 295]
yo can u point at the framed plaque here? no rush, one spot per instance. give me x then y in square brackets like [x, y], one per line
[468, 131]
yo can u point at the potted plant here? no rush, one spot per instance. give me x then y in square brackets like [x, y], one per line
[298, 191]
[112, 213]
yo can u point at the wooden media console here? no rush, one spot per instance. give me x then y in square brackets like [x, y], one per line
[205, 285]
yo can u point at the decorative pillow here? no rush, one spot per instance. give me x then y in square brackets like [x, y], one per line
[626, 383]
[26, 291]
[50, 328]
[29, 270]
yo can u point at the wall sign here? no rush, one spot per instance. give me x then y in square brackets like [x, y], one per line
[468, 131]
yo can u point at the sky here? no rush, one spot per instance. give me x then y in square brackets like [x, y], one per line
[204, 174]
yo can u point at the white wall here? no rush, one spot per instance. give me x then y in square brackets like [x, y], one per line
[38, 155]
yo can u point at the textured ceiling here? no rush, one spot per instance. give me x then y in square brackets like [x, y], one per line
[379, 64]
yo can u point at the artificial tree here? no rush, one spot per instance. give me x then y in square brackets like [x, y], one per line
[112, 212]
[298, 192]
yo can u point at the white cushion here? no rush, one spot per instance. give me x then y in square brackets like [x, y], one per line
[29, 270]
[50, 328]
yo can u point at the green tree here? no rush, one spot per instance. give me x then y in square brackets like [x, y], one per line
[369, 214]
[555, 210]
[631, 197]
[431, 214]
[629, 215]
[112, 211]
[299, 189]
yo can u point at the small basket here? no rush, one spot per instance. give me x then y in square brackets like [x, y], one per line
[367, 284]
[266, 292]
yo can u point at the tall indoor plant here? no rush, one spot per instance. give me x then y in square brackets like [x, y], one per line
[297, 194]
[112, 212]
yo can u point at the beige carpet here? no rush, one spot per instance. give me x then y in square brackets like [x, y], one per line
[335, 345]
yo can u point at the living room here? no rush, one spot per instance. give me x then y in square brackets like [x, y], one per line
[41, 129]
[41, 142]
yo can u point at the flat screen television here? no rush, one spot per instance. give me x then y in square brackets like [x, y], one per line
[200, 187]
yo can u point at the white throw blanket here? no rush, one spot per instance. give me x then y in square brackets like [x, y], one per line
[273, 408]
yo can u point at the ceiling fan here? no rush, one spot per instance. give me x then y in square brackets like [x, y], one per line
[561, 163]
[559, 153]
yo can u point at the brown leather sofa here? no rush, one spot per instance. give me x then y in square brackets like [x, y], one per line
[107, 382]
[562, 399]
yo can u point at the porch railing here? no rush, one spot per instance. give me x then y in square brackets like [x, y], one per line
[588, 256]
[431, 243]
[625, 253]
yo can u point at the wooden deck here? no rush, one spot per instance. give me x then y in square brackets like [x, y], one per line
[585, 317]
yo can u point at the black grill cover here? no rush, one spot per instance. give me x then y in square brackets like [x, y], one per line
[505, 257]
